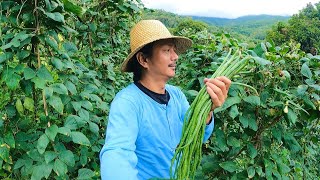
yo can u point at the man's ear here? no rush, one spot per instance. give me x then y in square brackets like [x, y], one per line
[142, 59]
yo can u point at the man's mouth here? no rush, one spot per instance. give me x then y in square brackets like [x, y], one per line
[172, 65]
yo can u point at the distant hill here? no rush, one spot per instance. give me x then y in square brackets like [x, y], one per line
[250, 19]
[254, 26]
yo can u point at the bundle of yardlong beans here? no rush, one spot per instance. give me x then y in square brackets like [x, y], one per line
[188, 154]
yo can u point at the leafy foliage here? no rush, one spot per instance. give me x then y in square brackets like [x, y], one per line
[302, 28]
[58, 75]
[258, 135]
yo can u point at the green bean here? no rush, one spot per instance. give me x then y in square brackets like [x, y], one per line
[188, 154]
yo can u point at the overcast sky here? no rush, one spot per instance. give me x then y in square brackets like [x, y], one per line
[229, 8]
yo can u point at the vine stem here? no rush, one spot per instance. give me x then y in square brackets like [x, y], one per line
[45, 107]
[246, 85]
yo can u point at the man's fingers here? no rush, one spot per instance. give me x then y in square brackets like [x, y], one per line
[218, 92]
[214, 98]
[221, 85]
[218, 89]
[226, 81]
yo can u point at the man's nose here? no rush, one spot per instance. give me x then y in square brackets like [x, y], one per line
[174, 55]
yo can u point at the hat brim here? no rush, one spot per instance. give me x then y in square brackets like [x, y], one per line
[182, 44]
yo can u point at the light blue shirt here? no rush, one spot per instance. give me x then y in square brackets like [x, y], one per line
[142, 135]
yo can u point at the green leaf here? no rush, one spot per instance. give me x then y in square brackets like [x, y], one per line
[9, 139]
[135, 7]
[228, 103]
[276, 133]
[4, 153]
[87, 105]
[60, 168]
[51, 42]
[52, 131]
[261, 61]
[19, 69]
[35, 155]
[5, 56]
[70, 47]
[42, 144]
[291, 142]
[232, 141]
[221, 140]
[316, 87]
[22, 54]
[233, 111]
[283, 169]
[67, 157]
[276, 103]
[19, 107]
[64, 130]
[12, 80]
[57, 63]
[305, 71]
[251, 172]
[43, 170]
[71, 87]
[252, 124]
[229, 166]
[254, 100]
[286, 74]
[19, 163]
[59, 88]
[71, 122]
[259, 170]
[291, 115]
[263, 47]
[301, 90]
[49, 156]
[94, 128]
[37, 172]
[252, 151]
[14, 43]
[28, 73]
[244, 121]
[76, 105]
[85, 173]
[56, 103]
[84, 114]
[48, 92]
[268, 168]
[309, 103]
[55, 16]
[39, 82]
[29, 104]
[44, 74]
[73, 8]
[80, 138]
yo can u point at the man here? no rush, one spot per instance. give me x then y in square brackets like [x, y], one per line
[146, 118]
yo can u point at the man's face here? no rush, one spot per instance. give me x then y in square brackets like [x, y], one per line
[162, 63]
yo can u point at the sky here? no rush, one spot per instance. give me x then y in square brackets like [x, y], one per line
[229, 8]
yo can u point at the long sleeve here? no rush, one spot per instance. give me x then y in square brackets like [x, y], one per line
[208, 130]
[117, 157]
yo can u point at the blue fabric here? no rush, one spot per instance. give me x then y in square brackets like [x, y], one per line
[142, 135]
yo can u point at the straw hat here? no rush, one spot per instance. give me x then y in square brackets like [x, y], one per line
[147, 31]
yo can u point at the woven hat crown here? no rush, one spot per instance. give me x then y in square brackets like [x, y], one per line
[147, 31]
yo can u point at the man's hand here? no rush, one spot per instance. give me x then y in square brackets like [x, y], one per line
[218, 89]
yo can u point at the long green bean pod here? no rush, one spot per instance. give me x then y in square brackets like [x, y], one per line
[188, 154]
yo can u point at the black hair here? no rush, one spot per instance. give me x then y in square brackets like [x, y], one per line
[135, 66]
